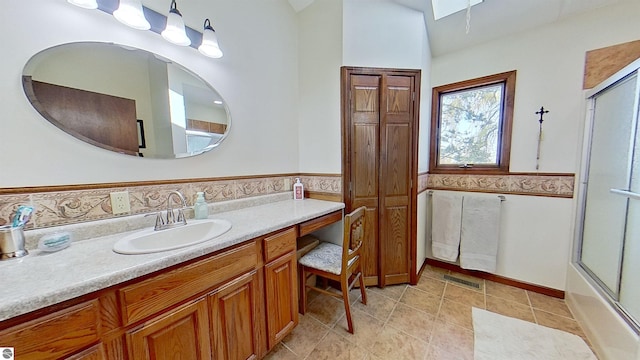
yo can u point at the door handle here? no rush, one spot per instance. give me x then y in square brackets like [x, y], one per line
[626, 193]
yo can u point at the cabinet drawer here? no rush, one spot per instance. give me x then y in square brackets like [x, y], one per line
[279, 244]
[56, 335]
[155, 294]
[312, 225]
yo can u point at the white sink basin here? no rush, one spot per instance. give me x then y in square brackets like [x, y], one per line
[150, 241]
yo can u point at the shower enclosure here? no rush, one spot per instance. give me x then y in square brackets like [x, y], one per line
[608, 232]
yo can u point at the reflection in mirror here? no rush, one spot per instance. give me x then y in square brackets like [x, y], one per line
[126, 100]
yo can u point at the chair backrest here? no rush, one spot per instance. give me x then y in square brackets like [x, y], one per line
[354, 235]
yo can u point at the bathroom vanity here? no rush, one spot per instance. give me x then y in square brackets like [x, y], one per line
[233, 297]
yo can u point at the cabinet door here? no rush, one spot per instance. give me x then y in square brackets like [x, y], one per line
[235, 323]
[93, 353]
[281, 297]
[182, 333]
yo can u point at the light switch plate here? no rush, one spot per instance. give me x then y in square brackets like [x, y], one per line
[120, 202]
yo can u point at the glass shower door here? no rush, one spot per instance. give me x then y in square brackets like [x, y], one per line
[630, 286]
[609, 227]
[605, 213]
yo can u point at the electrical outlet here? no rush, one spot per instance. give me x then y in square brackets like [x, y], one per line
[120, 202]
[287, 184]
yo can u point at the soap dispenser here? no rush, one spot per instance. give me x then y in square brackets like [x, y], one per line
[200, 208]
[298, 190]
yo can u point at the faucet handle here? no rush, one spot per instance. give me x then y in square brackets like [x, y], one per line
[170, 217]
[181, 218]
[159, 221]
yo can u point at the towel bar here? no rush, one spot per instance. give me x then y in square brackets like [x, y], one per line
[502, 197]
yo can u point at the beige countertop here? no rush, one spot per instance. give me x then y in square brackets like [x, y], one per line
[42, 279]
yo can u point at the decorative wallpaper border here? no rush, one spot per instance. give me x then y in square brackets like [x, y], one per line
[54, 208]
[550, 185]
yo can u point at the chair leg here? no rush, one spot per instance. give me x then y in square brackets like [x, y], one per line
[347, 306]
[302, 290]
[363, 292]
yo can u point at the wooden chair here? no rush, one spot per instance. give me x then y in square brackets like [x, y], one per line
[338, 263]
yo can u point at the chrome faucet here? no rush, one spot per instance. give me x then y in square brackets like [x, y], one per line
[171, 220]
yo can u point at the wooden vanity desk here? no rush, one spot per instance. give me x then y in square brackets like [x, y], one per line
[306, 242]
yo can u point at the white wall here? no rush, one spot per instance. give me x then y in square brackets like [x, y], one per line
[378, 33]
[320, 56]
[382, 34]
[334, 33]
[537, 233]
[534, 234]
[422, 234]
[258, 78]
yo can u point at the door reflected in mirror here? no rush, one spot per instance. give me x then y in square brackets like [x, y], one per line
[126, 100]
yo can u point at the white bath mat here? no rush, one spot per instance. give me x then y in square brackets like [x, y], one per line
[499, 337]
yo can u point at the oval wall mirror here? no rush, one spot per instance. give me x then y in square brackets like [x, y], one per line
[126, 100]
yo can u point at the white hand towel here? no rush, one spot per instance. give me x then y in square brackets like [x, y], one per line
[445, 229]
[480, 233]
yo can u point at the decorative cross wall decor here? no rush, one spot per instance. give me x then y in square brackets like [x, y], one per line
[541, 112]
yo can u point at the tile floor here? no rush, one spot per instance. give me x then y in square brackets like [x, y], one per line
[429, 321]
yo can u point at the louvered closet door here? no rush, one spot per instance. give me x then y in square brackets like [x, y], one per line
[379, 165]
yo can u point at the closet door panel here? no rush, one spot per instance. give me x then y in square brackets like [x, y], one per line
[395, 179]
[364, 148]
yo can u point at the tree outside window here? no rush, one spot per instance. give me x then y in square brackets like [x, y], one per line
[471, 125]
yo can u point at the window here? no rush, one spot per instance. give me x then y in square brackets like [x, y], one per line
[471, 125]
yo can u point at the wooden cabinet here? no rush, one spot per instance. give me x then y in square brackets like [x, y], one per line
[235, 325]
[150, 296]
[55, 335]
[280, 274]
[180, 334]
[234, 304]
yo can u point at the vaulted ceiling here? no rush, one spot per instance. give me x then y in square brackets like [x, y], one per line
[490, 20]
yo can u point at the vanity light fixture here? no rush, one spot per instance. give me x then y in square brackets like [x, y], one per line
[210, 46]
[130, 13]
[86, 4]
[134, 14]
[175, 32]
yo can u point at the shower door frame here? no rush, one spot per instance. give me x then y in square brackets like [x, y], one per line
[612, 298]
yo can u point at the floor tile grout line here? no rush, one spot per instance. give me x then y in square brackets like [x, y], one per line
[391, 313]
[395, 305]
[333, 329]
[290, 349]
[441, 301]
[328, 328]
[316, 345]
[484, 292]
[535, 318]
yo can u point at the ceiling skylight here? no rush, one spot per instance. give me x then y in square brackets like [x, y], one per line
[442, 8]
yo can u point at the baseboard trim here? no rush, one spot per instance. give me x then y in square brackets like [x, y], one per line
[496, 278]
